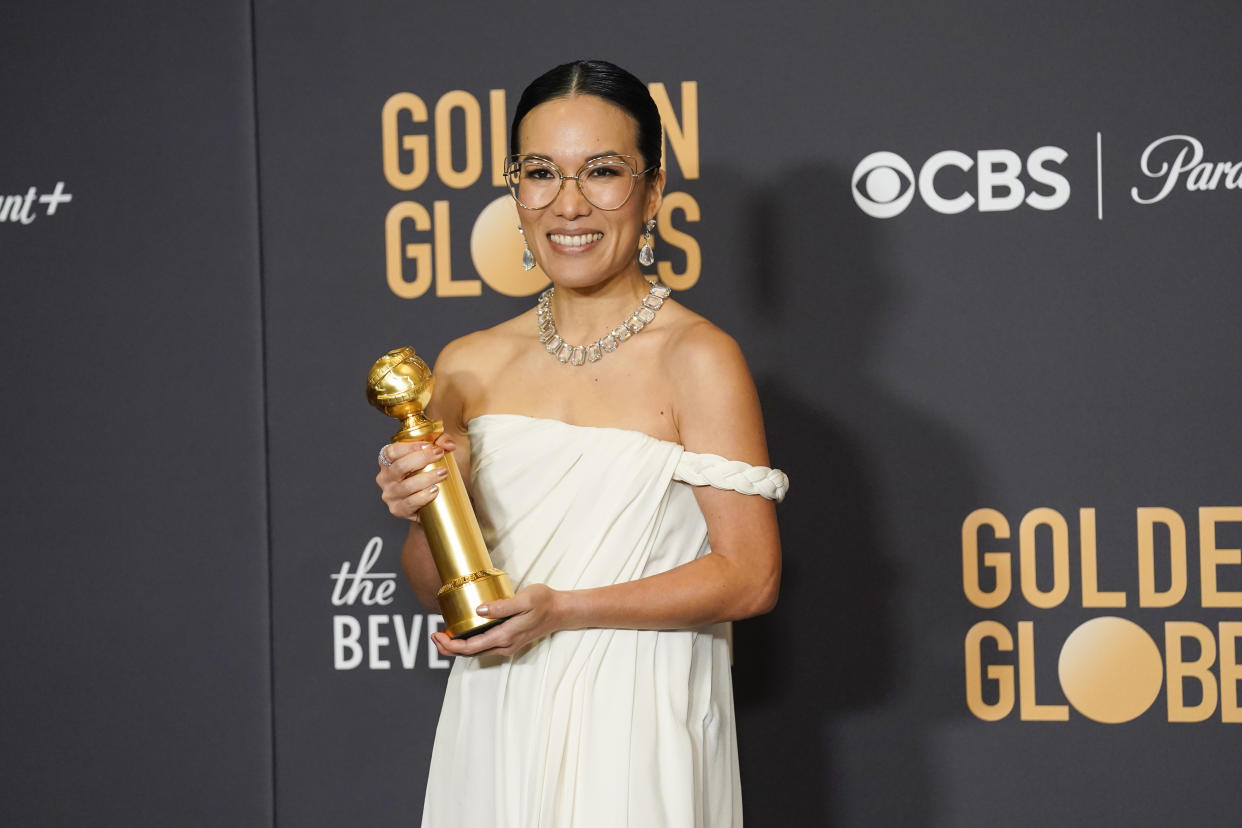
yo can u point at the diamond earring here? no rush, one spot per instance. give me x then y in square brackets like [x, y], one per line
[646, 256]
[528, 258]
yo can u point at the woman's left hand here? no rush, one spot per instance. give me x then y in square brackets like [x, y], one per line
[531, 614]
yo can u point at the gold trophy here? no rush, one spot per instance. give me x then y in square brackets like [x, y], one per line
[400, 385]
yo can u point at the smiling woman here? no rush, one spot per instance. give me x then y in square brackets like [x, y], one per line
[625, 491]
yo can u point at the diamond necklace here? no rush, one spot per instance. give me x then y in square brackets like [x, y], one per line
[582, 354]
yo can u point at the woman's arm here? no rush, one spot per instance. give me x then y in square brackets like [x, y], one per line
[717, 411]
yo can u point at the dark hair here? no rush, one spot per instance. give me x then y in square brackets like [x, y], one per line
[603, 80]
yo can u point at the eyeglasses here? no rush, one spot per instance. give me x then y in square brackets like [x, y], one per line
[606, 182]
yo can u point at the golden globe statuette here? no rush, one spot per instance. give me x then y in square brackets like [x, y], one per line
[400, 384]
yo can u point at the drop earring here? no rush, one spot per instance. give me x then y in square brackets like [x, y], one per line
[646, 256]
[528, 258]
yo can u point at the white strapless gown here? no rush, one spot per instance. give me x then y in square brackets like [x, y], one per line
[591, 728]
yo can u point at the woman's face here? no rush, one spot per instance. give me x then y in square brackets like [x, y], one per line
[576, 243]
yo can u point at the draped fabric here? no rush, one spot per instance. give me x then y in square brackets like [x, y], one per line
[598, 727]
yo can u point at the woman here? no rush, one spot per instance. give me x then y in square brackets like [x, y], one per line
[604, 699]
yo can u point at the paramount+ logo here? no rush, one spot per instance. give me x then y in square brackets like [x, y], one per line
[992, 180]
[1110, 668]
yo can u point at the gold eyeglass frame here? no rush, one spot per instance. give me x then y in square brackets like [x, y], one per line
[514, 161]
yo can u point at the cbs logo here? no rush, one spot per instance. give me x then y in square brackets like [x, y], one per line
[884, 183]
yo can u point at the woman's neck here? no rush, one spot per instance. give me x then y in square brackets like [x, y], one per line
[586, 314]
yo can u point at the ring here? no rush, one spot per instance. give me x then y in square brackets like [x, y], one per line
[383, 458]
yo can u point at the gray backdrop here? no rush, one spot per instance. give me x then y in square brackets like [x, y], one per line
[189, 457]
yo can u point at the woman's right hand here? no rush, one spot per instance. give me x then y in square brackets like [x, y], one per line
[403, 485]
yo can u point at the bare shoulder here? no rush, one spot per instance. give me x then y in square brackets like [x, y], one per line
[479, 351]
[716, 405]
[466, 366]
[698, 344]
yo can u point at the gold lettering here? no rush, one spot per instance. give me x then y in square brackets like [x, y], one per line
[420, 253]
[999, 562]
[416, 145]
[1199, 670]
[1148, 517]
[1230, 671]
[1030, 710]
[682, 136]
[445, 284]
[1091, 595]
[500, 143]
[469, 106]
[682, 241]
[1060, 558]
[1002, 674]
[1210, 557]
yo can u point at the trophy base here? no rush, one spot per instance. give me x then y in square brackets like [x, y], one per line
[459, 597]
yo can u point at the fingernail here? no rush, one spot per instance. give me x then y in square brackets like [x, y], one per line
[433, 489]
[441, 473]
[481, 609]
[437, 452]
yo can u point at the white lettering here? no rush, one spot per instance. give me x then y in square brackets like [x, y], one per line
[54, 198]
[349, 651]
[17, 208]
[345, 633]
[879, 179]
[927, 178]
[998, 169]
[1200, 178]
[1234, 179]
[351, 586]
[407, 639]
[1222, 167]
[376, 641]
[1169, 172]
[435, 661]
[1036, 169]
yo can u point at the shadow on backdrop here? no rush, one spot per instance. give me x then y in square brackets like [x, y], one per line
[837, 689]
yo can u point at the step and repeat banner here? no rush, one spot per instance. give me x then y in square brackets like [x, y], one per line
[983, 262]
[135, 663]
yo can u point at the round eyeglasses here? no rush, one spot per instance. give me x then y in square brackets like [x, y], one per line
[606, 182]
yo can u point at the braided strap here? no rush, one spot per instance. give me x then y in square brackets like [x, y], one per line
[732, 475]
